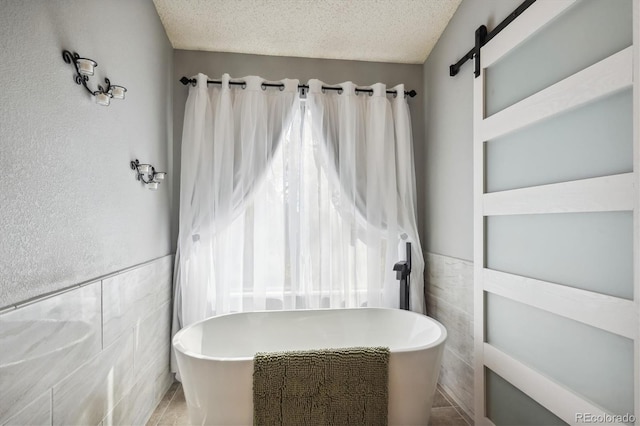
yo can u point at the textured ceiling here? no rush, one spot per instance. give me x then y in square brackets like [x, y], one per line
[402, 31]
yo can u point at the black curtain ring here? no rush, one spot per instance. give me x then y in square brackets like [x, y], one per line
[324, 90]
[263, 86]
[281, 88]
[244, 85]
[371, 93]
[339, 91]
[395, 94]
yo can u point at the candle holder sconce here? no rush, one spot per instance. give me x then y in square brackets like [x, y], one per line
[147, 174]
[84, 69]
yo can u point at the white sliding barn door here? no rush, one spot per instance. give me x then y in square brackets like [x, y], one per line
[556, 216]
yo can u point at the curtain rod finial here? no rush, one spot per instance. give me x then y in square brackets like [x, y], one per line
[185, 81]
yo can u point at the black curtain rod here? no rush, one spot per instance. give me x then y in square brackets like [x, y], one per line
[185, 81]
[482, 38]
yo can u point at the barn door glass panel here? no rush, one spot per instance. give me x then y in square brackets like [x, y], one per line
[584, 34]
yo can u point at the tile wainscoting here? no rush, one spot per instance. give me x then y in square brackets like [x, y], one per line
[449, 293]
[97, 354]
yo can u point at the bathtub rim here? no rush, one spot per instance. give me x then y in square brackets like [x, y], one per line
[177, 345]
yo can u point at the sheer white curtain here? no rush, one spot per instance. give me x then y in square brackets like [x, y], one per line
[229, 138]
[406, 179]
[290, 204]
[364, 143]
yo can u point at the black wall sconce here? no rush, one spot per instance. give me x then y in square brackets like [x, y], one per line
[84, 69]
[147, 174]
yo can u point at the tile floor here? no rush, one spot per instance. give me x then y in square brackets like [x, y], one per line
[446, 412]
[172, 410]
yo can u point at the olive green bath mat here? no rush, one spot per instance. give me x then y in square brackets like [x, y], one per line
[321, 387]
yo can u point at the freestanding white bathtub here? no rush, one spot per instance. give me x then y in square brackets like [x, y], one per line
[215, 356]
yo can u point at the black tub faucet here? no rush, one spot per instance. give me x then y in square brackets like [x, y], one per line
[403, 274]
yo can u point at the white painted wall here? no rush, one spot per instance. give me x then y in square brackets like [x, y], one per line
[70, 207]
[447, 187]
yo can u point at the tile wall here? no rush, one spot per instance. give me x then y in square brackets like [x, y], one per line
[449, 292]
[97, 354]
